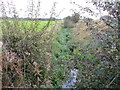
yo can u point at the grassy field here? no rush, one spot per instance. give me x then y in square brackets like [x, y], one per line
[25, 25]
[40, 24]
[29, 24]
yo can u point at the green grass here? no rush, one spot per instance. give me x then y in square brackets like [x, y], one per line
[29, 25]
[61, 55]
[25, 25]
[40, 24]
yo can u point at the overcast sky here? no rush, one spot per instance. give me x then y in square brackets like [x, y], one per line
[61, 5]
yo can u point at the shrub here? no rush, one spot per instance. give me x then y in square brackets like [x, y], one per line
[68, 23]
[29, 47]
[75, 17]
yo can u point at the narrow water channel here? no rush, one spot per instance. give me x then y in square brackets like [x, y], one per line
[65, 38]
[70, 83]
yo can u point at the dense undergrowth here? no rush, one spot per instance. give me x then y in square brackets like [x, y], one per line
[61, 55]
[25, 55]
[41, 54]
[45, 58]
[97, 67]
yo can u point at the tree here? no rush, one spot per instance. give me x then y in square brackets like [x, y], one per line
[53, 19]
[75, 17]
[68, 22]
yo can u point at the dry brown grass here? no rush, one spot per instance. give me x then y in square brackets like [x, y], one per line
[81, 34]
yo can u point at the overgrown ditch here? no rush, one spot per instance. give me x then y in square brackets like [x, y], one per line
[77, 59]
[63, 49]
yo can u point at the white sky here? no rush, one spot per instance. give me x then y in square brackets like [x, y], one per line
[46, 5]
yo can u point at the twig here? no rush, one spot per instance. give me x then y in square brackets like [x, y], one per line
[112, 81]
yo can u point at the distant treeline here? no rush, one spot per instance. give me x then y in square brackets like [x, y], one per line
[42, 19]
